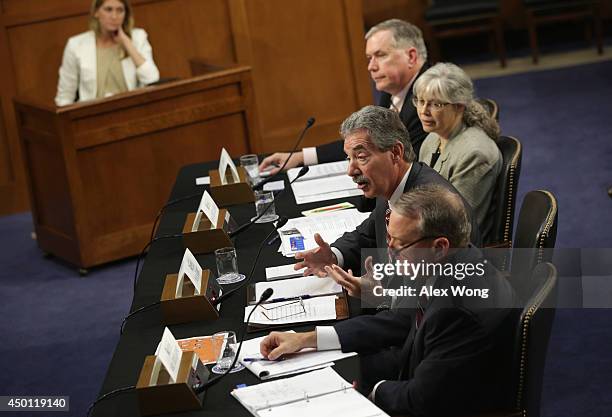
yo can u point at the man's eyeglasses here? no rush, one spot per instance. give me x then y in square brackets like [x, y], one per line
[434, 106]
[394, 253]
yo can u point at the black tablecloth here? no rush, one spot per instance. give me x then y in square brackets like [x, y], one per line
[143, 331]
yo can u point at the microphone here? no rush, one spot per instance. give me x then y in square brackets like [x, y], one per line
[309, 123]
[281, 222]
[200, 388]
[248, 224]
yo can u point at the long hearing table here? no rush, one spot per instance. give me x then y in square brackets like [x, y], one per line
[143, 331]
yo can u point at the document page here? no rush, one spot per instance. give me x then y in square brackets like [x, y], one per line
[306, 359]
[283, 391]
[282, 272]
[341, 403]
[317, 393]
[298, 234]
[329, 169]
[296, 287]
[298, 311]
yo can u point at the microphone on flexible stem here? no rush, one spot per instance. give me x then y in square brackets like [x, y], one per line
[280, 223]
[200, 388]
[248, 224]
[309, 123]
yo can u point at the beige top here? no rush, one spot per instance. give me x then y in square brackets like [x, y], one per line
[471, 161]
[109, 75]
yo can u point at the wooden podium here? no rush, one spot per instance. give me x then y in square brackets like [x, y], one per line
[100, 171]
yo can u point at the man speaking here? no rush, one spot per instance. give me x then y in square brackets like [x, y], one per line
[382, 163]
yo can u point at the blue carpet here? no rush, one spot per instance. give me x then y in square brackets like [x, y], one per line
[59, 330]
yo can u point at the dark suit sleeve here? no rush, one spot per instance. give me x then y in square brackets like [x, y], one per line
[331, 152]
[350, 243]
[371, 333]
[453, 356]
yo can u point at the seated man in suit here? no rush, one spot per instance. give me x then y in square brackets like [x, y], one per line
[383, 164]
[433, 354]
[396, 55]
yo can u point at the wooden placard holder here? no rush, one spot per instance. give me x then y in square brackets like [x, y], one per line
[205, 239]
[233, 192]
[166, 397]
[189, 307]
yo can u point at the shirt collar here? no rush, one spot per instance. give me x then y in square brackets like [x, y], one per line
[400, 188]
[399, 99]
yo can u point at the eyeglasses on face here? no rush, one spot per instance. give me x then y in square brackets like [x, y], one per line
[434, 106]
[394, 253]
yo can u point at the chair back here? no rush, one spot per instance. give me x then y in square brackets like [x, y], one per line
[537, 230]
[500, 218]
[532, 337]
[491, 106]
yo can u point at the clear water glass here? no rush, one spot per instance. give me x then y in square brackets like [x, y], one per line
[250, 163]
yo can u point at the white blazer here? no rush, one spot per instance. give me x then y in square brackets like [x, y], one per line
[78, 68]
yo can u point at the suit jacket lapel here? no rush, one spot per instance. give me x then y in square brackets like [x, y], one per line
[415, 171]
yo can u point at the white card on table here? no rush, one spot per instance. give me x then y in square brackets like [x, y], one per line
[210, 210]
[169, 354]
[224, 161]
[193, 270]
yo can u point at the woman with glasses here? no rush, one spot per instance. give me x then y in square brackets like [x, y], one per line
[460, 144]
[112, 57]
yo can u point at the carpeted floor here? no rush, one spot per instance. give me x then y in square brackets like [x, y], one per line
[59, 330]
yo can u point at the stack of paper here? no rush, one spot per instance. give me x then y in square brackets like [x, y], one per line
[321, 393]
[298, 234]
[323, 182]
[306, 359]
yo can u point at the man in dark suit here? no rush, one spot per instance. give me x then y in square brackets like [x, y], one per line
[397, 56]
[382, 163]
[433, 354]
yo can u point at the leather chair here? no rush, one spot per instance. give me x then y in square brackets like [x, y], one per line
[536, 233]
[451, 18]
[491, 106]
[546, 11]
[500, 218]
[532, 337]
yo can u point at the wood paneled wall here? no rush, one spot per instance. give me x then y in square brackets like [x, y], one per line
[307, 59]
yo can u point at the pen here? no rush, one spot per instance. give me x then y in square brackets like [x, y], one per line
[327, 208]
[299, 297]
[274, 239]
[256, 360]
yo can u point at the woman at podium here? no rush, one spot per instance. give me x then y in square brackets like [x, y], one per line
[110, 58]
